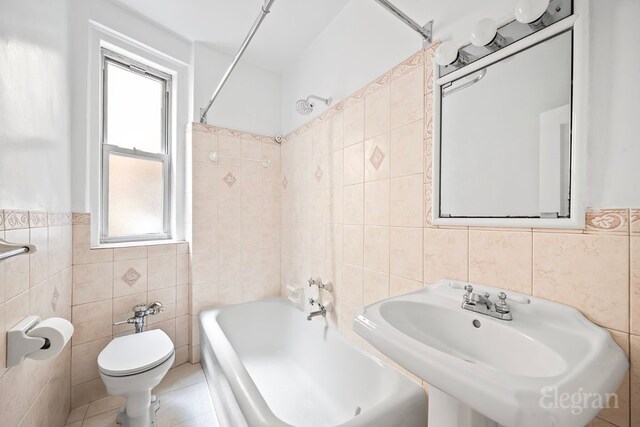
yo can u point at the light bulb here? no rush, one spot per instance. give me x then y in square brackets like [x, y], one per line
[528, 11]
[446, 54]
[484, 32]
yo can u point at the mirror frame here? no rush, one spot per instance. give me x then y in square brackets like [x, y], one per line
[578, 22]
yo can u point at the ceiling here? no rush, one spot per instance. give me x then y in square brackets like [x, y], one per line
[223, 24]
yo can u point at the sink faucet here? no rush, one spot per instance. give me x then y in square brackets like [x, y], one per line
[141, 311]
[482, 304]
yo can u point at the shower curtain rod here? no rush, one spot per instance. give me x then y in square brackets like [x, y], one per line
[425, 31]
[264, 10]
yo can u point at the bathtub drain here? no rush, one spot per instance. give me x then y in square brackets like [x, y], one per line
[358, 410]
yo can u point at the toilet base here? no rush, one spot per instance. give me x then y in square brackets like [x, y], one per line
[123, 420]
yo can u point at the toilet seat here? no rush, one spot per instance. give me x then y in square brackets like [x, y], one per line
[134, 354]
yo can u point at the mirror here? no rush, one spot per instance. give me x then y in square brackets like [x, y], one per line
[505, 136]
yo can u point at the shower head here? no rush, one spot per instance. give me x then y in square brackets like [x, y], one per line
[304, 106]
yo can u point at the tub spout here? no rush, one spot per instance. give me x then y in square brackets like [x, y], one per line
[322, 312]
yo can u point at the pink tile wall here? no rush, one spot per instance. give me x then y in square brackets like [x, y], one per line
[35, 393]
[107, 283]
[233, 214]
[366, 224]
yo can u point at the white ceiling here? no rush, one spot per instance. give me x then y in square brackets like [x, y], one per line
[223, 24]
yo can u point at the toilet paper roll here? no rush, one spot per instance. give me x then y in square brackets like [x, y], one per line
[57, 331]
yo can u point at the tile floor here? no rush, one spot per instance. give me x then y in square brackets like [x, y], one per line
[184, 402]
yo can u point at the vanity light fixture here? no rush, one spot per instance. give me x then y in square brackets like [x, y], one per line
[534, 13]
[485, 34]
[448, 54]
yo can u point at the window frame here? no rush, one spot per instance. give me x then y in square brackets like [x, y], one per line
[165, 156]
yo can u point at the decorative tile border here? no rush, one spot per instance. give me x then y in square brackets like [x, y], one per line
[429, 52]
[14, 220]
[37, 219]
[428, 134]
[408, 65]
[607, 221]
[354, 99]
[634, 221]
[202, 127]
[81, 218]
[377, 84]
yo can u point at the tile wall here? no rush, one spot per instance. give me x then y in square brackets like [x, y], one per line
[35, 393]
[356, 209]
[233, 214]
[107, 283]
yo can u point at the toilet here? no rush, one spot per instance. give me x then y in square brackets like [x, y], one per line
[131, 366]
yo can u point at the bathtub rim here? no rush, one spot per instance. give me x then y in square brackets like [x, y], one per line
[248, 397]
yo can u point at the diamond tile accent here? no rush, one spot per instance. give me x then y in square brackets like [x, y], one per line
[131, 276]
[229, 179]
[54, 298]
[376, 157]
[318, 174]
[285, 182]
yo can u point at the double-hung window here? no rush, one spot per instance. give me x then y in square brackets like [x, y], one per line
[136, 151]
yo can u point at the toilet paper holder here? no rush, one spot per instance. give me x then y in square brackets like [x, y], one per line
[20, 345]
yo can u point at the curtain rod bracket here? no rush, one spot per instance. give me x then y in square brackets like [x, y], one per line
[427, 38]
[425, 31]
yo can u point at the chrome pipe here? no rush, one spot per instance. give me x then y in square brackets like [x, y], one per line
[425, 31]
[266, 8]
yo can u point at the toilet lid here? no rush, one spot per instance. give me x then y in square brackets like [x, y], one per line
[132, 354]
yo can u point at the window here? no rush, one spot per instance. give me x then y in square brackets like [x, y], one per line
[136, 151]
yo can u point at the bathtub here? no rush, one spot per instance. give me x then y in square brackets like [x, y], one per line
[266, 365]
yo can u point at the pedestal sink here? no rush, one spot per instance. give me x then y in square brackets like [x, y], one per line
[548, 367]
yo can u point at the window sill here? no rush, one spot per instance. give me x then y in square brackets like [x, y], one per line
[139, 243]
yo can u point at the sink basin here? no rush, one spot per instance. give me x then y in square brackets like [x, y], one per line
[486, 371]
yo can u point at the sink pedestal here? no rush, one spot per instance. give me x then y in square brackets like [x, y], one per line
[445, 410]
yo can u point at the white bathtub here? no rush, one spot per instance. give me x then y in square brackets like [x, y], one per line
[266, 365]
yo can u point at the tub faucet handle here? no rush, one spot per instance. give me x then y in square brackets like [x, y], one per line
[328, 286]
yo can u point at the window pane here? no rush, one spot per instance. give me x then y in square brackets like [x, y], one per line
[134, 110]
[136, 189]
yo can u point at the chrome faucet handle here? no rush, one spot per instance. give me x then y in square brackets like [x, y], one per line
[469, 293]
[501, 305]
[123, 322]
[328, 286]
